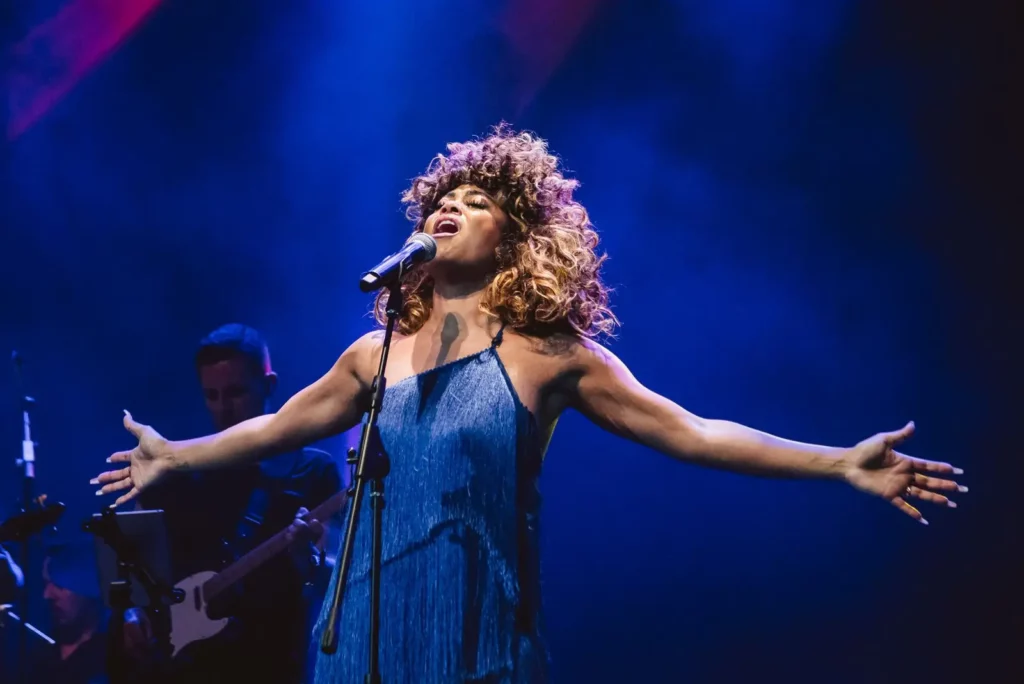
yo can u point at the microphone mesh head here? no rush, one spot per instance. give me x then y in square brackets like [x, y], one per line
[428, 243]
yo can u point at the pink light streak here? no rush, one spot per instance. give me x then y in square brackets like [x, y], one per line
[58, 53]
[543, 32]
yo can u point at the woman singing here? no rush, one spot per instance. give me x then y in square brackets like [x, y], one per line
[495, 339]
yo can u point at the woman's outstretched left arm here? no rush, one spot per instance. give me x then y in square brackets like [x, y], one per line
[603, 389]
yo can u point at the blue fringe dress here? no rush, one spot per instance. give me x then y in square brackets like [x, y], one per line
[460, 579]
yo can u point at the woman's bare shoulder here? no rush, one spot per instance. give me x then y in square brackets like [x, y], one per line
[552, 355]
[558, 347]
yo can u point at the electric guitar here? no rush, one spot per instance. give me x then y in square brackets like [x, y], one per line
[189, 622]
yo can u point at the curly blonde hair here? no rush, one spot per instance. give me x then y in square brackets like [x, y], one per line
[547, 280]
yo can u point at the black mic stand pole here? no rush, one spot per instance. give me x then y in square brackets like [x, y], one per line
[373, 465]
[27, 462]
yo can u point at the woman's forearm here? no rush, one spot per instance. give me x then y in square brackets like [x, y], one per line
[731, 446]
[603, 389]
[248, 441]
[329, 406]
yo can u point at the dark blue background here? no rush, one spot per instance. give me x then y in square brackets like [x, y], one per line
[806, 208]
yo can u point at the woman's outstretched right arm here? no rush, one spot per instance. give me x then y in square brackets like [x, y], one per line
[329, 406]
[325, 408]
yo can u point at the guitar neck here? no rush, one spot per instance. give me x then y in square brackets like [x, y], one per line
[265, 551]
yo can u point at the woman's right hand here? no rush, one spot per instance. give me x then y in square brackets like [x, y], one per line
[147, 463]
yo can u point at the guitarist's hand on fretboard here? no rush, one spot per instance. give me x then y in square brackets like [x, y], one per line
[305, 528]
[302, 534]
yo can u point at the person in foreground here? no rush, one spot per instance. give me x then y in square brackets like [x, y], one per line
[496, 338]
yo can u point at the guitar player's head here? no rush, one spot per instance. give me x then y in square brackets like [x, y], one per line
[233, 363]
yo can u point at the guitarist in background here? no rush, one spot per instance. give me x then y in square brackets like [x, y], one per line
[214, 517]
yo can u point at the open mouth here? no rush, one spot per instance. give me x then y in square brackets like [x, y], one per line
[446, 226]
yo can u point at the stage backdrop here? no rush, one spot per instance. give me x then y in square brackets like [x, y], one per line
[802, 203]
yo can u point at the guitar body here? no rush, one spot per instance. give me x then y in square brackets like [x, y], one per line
[189, 622]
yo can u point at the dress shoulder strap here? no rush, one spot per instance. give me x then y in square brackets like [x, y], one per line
[499, 336]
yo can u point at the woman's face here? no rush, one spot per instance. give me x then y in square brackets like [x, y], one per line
[467, 226]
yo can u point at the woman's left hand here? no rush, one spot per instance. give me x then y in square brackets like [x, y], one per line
[877, 468]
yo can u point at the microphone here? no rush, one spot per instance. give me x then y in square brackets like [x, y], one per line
[418, 249]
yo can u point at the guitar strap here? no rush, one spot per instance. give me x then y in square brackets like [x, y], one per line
[255, 512]
[248, 534]
[269, 496]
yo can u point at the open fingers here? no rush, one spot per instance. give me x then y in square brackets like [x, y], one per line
[936, 467]
[901, 435]
[133, 426]
[909, 510]
[937, 484]
[125, 498]
[120, 457]
[115, 486]
[111, 476]
[931, 497]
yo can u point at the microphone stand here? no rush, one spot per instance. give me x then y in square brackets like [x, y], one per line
[9, 617]
[27, 462]
[372, 466]
[160, 594]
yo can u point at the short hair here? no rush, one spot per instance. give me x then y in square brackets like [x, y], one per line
[73, 565]
[232, 341]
